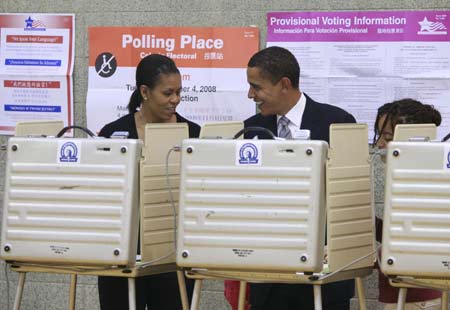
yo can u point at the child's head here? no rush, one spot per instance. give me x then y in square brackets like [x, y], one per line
[404, 111]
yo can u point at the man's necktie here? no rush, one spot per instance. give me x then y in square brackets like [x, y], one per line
[283, 128]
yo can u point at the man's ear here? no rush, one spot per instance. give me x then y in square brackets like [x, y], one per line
[285, 83]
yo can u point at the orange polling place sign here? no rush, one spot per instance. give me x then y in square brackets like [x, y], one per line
[188, 46]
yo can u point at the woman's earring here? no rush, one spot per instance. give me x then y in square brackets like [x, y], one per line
[145, 98]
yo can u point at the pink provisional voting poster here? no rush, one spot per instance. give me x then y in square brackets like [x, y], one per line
[361, 60]
[36, 65]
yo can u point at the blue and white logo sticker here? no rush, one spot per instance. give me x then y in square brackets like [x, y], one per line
[248, 153]
[69, 152]
[33, 24]
[447, 157]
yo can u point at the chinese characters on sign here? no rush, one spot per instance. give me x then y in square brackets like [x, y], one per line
[36, 65]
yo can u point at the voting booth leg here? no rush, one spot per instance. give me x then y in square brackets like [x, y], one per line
[242, 293]
[361, 295]
[19, 291]
[401, 298]
[183, 292]
[317, 297]
[196, 295]
[132, 293]
[73, 291]
[444, 299]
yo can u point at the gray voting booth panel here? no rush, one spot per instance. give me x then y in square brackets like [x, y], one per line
[38, 128]
[157, 218]
[350, 213]
[222, 130]
[252, 205]
[416, 229]
[71, 201]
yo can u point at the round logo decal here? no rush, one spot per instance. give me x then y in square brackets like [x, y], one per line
[105, 64]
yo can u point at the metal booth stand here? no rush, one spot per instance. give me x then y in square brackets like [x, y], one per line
[72, 206]
[416, 239]
[256, 211]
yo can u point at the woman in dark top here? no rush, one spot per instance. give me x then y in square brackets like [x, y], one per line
[157, 94]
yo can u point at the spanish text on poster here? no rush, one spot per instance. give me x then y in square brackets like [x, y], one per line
[212, 62]
[361, 60]
[36, 65]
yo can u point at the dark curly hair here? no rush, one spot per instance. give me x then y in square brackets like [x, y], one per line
[405, 111]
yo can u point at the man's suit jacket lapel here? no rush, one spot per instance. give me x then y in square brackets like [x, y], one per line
[313, 120]
[272, 125]
[310, 117]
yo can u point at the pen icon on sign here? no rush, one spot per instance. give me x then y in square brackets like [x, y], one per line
[105, 64]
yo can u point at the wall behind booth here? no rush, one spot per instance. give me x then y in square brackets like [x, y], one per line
[46, 291]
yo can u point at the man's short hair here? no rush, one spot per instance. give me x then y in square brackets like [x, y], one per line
[275, 63]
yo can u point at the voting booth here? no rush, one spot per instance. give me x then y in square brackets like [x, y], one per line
[416, 225]
[71, 200]
[261, 210]
[79, 205]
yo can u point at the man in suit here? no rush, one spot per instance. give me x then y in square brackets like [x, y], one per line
[273, 75]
